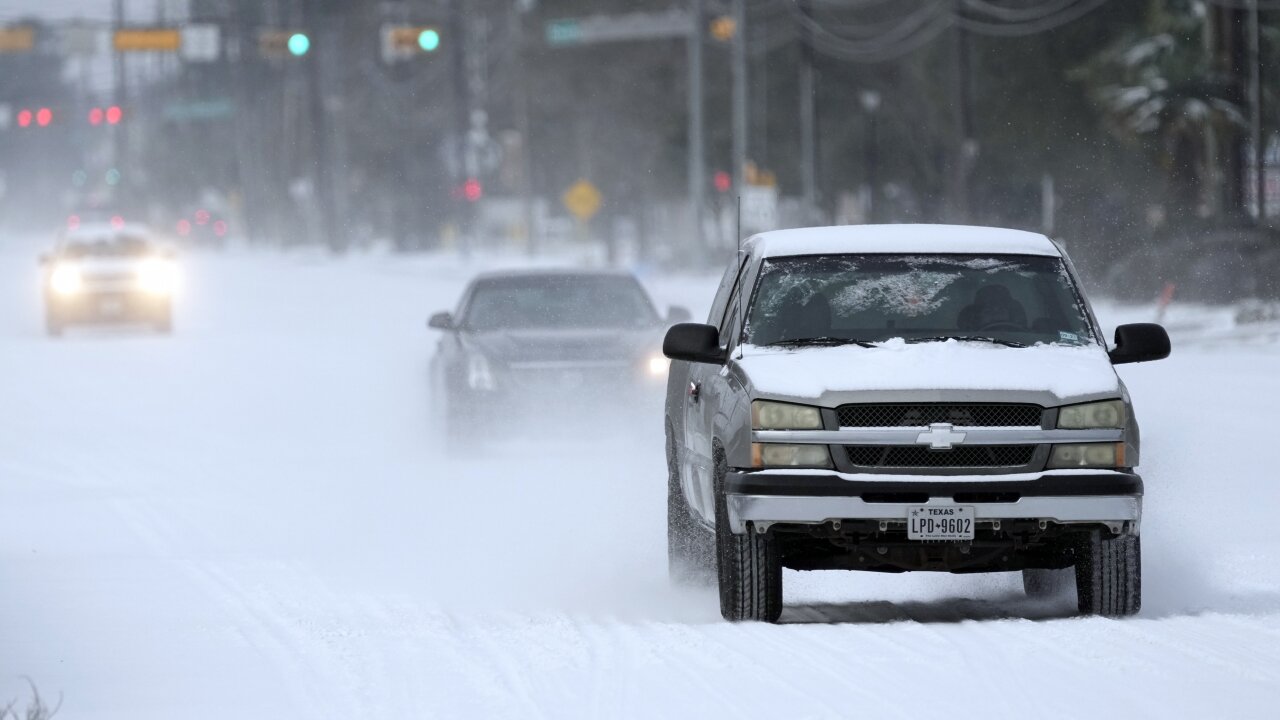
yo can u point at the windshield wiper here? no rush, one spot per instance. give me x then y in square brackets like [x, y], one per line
[968, 338]
[824, 341]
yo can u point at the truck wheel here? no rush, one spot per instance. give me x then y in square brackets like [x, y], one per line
[749, 566]
[1109, 575]
[690, 551]
[1040, 583]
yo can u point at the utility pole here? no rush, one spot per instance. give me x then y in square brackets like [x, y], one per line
[326, 109]
[461, 116]
[697, 130]
[966, 149]
[119, 138]
[739, 60]
[1255, 112]
[808, 119]
[524, 126]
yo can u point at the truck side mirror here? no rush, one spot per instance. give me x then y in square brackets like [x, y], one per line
[1140, 342]
[694, 342]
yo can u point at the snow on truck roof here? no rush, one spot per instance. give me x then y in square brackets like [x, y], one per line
[932, 239]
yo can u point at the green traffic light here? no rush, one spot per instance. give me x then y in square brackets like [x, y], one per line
[429, 40]
[299, 44]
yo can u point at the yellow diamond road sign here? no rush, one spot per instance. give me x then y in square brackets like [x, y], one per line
[583, 200]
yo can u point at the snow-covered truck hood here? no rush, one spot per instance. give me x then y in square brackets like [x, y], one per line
[950, 371]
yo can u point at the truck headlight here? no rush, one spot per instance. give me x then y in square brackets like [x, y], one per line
[1088, 455]
[766, 415]
[66, 280]
[157, 277]
[1107, 414]
[774, 455]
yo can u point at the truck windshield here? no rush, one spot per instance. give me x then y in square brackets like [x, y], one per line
[1011, 300]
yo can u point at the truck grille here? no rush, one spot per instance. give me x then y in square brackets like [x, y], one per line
[923, 415]
[912, 456]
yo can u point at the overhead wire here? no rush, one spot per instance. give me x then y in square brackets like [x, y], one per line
[1071, 13]
[890, 39]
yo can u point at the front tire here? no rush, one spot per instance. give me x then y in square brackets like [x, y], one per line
[1109, 575]
[749, 566]
[690, 550]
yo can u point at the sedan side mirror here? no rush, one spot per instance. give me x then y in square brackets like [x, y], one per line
[694, 342]
[677, 314]
[441, 321]
[1140, 342]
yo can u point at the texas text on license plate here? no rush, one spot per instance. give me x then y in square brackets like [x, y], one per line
[925, 522]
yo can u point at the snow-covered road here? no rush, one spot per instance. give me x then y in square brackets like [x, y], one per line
[249, 520]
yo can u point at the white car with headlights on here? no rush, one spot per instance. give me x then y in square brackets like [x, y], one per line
[108, 275]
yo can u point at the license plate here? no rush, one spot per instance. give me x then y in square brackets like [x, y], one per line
[926, 522]
[110, 307]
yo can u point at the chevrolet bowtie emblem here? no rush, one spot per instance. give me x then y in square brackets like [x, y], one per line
[941, 436]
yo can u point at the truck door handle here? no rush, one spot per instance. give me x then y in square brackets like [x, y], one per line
[693, 392]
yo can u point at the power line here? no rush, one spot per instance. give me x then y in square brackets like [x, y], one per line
[1070, 13]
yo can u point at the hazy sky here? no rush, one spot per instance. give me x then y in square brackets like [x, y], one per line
[136, 10]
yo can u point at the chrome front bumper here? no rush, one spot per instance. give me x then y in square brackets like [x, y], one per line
[1123, 512]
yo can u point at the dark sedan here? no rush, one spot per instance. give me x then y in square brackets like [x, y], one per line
[546, 339]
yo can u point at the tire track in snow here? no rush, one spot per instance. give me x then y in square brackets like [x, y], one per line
[262, 629]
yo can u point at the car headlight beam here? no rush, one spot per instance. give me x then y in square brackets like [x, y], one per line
[480, 374]
[657, 365]
[66, 280]
[156, 277]
[1106, 414]
[768, 415]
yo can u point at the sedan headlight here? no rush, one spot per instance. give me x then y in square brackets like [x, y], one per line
[1108, 414]
[480, 374]
[766, 415]
[157, 277]
[66, 280]
[1089, 455]
[656, 365]
[774, 455]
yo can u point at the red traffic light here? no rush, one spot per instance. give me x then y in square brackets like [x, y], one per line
[73, 222]
[95, 116]
[113, 114]
[44, 116]
[184, 227]
[220, 228]
[723, 181]
[117, 222]
[24, 117]
[472, 190]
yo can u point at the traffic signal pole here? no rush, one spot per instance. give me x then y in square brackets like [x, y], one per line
[739, 60]
[697, 129]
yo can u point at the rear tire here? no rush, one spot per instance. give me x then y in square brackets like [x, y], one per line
[749, 566]
[690, 548]
[1109, 575]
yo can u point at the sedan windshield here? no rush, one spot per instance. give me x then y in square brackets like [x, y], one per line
[559, 302]
[1009, 300]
